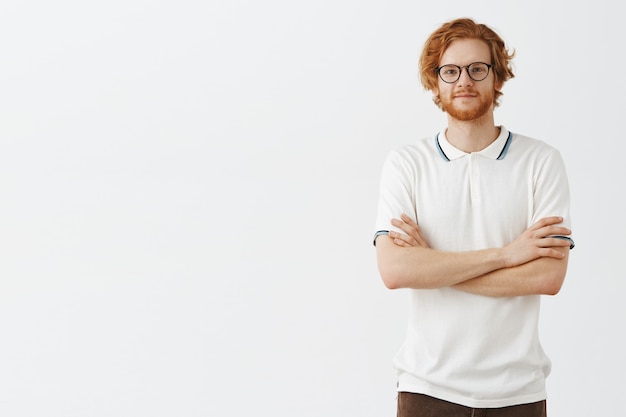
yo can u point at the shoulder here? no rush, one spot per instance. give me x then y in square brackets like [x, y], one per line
[414, 151]
[531, 142]
[529, 153]
[528, 146]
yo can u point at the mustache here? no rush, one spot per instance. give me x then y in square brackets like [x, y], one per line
[474, 92]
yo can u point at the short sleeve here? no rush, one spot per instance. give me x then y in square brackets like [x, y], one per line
[551, 191]
[396, 191]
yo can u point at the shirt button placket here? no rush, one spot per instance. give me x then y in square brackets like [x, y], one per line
[474, 179]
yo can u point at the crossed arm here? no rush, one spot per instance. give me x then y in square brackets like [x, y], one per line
[534, 263]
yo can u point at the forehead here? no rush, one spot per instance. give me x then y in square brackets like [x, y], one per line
[466, 51]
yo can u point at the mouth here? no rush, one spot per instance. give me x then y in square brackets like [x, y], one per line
[465, 95]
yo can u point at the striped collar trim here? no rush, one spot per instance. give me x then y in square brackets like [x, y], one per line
[497, 150]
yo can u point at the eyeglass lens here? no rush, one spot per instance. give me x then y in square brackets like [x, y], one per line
[477, 71]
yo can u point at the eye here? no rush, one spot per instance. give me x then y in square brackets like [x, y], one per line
[478, 68]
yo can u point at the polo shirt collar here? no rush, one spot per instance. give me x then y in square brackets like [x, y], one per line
[496, 150]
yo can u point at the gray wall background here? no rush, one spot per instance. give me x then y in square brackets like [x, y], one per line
[188, 192]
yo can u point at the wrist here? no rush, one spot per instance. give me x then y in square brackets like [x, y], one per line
[498, 258]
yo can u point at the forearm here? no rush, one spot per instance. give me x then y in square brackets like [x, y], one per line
[420, 267]
[528, 265]
[541, 276]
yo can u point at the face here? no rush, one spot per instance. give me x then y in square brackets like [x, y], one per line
[466, 99]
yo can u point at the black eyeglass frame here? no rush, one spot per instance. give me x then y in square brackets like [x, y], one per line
[438, 71]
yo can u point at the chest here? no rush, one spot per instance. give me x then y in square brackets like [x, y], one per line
[474, 202]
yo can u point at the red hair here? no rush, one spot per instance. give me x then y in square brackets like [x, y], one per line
[464, 28]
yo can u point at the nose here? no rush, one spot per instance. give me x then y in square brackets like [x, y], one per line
[465, 79]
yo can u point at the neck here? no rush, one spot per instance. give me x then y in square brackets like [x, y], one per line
[474, 135]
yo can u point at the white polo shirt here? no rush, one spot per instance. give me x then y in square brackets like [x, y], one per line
[470, 349]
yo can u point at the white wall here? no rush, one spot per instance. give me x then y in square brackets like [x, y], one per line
[188, 192]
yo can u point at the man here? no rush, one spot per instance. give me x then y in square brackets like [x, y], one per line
[474, 221]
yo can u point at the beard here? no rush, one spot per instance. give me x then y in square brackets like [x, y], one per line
[468, 113]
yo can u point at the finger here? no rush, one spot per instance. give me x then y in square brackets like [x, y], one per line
[559, 230]
[420, 239]
[412, 231]
[408, 220]
[406, 228]
[401, 242]
[546, 221]
[551, 242]
[406, 240]
[553, 230]
[551, 253]
[406, 224]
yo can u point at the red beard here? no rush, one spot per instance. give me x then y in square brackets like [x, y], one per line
[467, 114]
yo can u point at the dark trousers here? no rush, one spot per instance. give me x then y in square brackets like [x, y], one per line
[419, 405]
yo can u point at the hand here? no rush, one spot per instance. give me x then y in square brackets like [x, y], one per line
[413, 236]
[533, 243]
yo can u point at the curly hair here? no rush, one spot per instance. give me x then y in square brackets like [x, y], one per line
[464, 28]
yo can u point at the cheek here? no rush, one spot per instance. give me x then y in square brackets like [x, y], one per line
[440, 88]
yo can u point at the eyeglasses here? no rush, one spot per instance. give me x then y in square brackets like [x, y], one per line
[450, 73]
